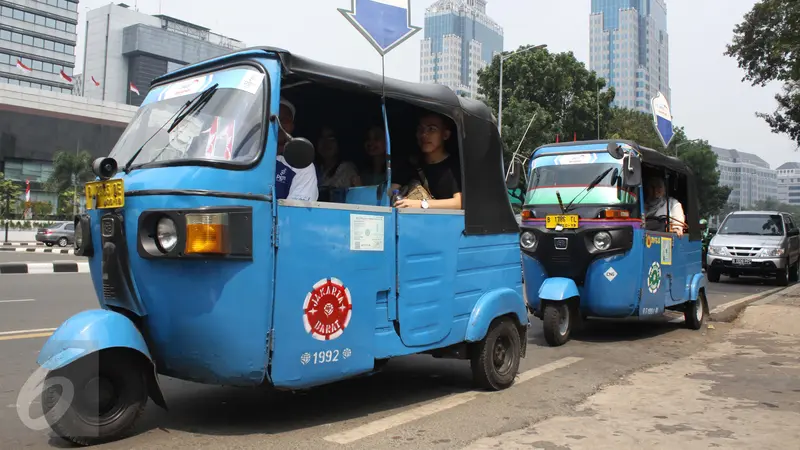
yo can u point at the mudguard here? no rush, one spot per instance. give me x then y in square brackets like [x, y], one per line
[558, 289]
[88, 332]
[492, 305]
[699, 281]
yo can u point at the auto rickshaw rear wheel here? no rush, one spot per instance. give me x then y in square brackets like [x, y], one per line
[109, 395]
[495, 359]
[696, 312]
[557, 323]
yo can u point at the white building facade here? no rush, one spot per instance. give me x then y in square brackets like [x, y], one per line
[789, 183]
[629, 47]
[750, 177]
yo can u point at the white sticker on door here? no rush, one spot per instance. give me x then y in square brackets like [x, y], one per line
[366, 233]
[610, 274]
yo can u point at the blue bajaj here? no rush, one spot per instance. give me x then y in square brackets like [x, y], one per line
[204, 274]
[588, 247]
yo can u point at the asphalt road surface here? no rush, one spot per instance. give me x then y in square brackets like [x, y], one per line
[416, 402]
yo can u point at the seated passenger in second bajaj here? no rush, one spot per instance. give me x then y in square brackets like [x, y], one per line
[207, 271]
[589, 247]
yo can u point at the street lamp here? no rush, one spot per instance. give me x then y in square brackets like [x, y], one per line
[503, 58]
[691, 141]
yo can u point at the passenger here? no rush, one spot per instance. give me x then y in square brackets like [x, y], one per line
[375, 150]
[332, 172]
[657, 202]
[291, 183]
[440, 172]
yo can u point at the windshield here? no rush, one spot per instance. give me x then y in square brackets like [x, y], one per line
[570, 174]
[753, 224]
[227, 128]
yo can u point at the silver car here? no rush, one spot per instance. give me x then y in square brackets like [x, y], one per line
[62, 234]
[761, 243]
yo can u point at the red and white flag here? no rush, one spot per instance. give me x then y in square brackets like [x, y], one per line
[133, 88]
[23, 67]
[27, 191]
[66, 77]
[96, 83]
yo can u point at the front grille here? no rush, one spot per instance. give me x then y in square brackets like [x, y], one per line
[744, 251]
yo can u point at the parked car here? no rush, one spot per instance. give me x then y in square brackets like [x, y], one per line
[62, 234]
[762, 243]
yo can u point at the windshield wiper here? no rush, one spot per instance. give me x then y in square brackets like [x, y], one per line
[588, 188]
[180, 114]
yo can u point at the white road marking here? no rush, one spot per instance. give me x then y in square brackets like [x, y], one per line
[402, 418]
[38, 330]
[22, 300]
[725, 306]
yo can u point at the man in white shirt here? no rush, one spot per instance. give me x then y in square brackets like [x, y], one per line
[657, 202]
[292, 183]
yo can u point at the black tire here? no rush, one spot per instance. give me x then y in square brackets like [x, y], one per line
[557, 323]
[495, 359]
[794, 273]
[713, 275]
[782, 279]
[695, 313]
[83, 424]
[62, 242]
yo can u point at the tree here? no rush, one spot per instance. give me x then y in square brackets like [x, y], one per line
[41, 209]
[766, 45]
[556, 87]
[9, 196]
[70, 170]
[633, 125]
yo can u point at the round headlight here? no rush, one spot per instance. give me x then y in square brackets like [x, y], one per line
[602, 240]
[527, 240]
[78, 235]
[166, 234]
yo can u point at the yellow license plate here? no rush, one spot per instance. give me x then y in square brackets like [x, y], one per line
[105, 194]
[566, 221]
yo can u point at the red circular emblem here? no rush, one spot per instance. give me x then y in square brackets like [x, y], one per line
[327, 309]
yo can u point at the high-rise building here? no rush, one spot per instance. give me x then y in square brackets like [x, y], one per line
[749, 177]
[460, 39]
[37, 43]
[126, 47]
[630, 49]
[789, 183]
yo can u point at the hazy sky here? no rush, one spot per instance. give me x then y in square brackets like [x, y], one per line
[708, 97]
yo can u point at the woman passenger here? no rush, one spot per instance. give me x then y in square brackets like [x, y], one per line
[332, 172]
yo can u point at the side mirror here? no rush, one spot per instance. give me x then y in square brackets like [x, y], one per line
[631, 171]
[104, 168]
[299, 152]
[513, 174]
[615, 150]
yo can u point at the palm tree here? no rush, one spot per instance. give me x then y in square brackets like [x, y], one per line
[70, 170]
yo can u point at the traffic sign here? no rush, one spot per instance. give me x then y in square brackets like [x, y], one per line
[662, 119]
[385, 23]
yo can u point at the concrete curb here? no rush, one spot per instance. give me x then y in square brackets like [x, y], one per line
[728, 312]
[42, 268]
[58, 250]
[23, 244]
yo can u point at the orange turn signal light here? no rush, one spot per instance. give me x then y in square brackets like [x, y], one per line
[616, 214]
[207, 233]
[526, 214]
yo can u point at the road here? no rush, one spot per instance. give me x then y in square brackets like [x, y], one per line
[381, 411]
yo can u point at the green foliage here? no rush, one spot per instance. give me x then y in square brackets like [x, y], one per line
[70, 169]
[766, 46]
[633, 125]
[41, 209]
[9, 193]
[68, 202]
[556, 87]
[772, 204]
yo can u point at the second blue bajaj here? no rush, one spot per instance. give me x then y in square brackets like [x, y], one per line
[202, 274]
[588, 248]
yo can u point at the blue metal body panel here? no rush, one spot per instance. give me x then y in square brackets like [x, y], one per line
[88, 332]
[499, 302]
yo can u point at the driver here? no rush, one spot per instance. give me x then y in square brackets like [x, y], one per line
[291, 183]
[657, 202]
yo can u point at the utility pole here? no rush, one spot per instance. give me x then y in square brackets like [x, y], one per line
[8, 209]
[597, 88]
[75, 181]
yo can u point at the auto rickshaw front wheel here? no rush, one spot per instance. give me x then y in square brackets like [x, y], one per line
[109, 394]
[495, 359]
[557, 323]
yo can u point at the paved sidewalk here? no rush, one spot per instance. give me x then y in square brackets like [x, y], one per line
[741, 393]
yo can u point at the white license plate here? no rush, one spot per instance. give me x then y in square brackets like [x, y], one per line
[741, 262]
